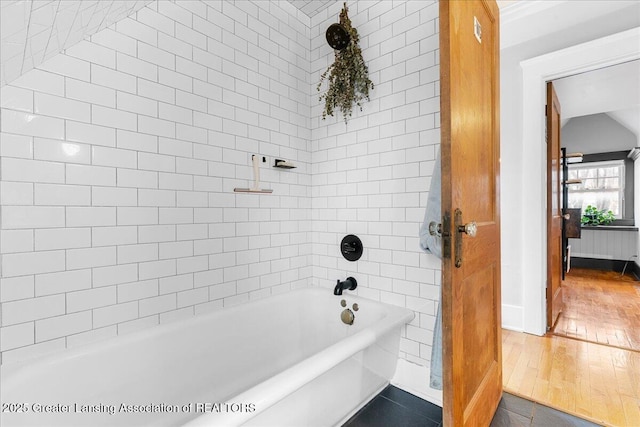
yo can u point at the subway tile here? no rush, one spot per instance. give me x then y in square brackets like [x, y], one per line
[191, 37]
[175, 147]
[62, 195]
[15, 217]
[16, 193]
[90, 216]
[173, 181]
[32, 124]
[62, 282]
[137, 290]
[175, 46]
[136, 67]
[90, 299]
[156, 197]
[137, 141]
[175, 284]
[157, 127]
[176, 216]
[114, 314]
[60, 151]
[175, 80]
[156, 233]
[16, 288]
[176, 13]
[93, 53]
[114, 275]
[13, 241]
[32, 309]
[137, 253]
[158, 304]
[26, 170]
[114, 118]
[155, 269]
[191, 69]
[192, 297]
[62, 238]
[113, 236]
[112, 196]
[156, 56]
[91, 134]
[120, 42]
[137, 179]
[192, 264]
[138, 31]
[175, 114]
[137, 215]
[15, 98]
[115, 157]
[113, 79]
[58, 106]
[90, 257]
[192, 231]
[41, 81]
[176, 249]
[156, 162]
[137, 104]
[17, 336]
[192, 167]
[60, 326]
[156, 21]
[89, 92]
[16, 146]
[156, 91]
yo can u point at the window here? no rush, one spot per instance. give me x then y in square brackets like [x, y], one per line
[602, 186]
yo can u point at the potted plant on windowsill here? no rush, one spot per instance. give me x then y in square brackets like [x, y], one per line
[593, 217]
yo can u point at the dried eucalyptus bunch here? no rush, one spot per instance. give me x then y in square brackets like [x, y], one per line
[348, 76]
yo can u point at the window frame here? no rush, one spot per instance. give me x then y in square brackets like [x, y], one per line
[628, 209]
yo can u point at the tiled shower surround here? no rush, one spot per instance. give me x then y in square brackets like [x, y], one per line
[119, 157]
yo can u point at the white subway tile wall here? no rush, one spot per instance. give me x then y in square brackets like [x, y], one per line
[120, 155]
[371, 177]
[119, 158]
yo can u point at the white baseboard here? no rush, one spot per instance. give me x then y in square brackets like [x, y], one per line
[512, 317]
[414, 379]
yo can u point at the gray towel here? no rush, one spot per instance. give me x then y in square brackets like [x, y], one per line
[433, 244]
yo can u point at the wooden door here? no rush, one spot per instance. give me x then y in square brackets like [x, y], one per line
[554, 209]
[472, 347]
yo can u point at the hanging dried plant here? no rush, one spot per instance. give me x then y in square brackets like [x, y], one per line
[348, 76]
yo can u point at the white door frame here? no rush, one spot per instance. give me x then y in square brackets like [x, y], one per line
[599, 53]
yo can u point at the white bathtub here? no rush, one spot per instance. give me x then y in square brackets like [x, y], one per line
[284, 360]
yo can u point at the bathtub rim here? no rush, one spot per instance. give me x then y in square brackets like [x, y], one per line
[13, 372]
[307, 370]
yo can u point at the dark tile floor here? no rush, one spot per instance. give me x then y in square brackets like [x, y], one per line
[395, 407]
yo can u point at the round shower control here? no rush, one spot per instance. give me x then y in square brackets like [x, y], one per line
[351, 247]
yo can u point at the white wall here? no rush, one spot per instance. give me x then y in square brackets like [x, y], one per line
[529, 30]
[119, 159]
[371, 176]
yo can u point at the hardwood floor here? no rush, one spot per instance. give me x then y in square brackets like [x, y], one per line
[601, 307]
[593, 381]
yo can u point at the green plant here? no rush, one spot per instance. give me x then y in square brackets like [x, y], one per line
[348, 76]
[593, 216]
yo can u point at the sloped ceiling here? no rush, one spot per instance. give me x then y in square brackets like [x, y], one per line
[32, 31]
[612, 90]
